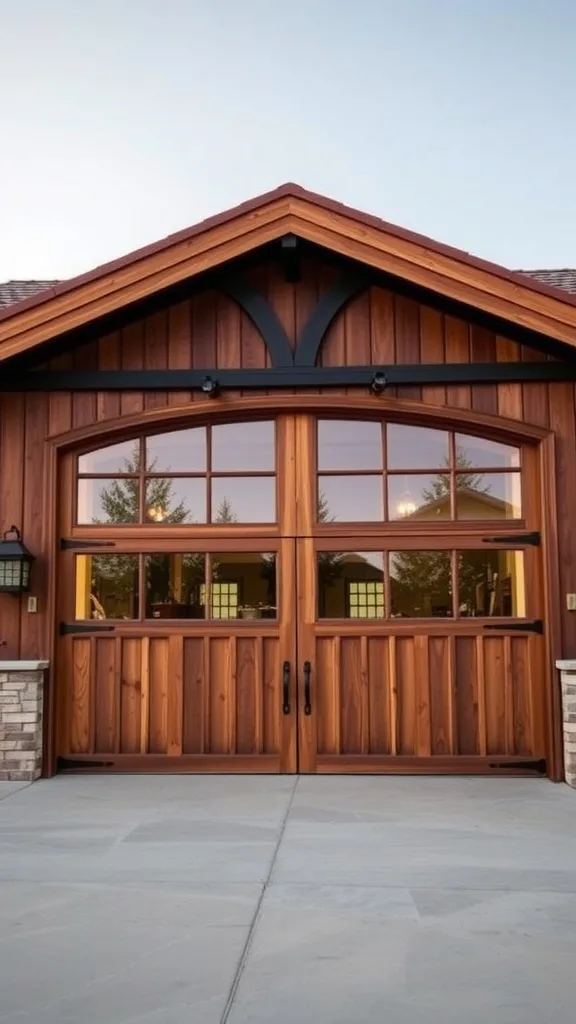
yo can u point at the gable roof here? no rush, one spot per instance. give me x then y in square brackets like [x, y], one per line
[16, 291]
[510, 295]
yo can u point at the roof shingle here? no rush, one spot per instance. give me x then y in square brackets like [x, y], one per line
[565, 279]
[15, 291]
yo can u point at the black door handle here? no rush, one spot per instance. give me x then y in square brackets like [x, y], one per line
[286, 688]
[307, 696]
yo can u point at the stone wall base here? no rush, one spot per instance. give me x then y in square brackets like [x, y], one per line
[568, 682]
[21, 701]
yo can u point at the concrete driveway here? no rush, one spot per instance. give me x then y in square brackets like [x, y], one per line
[199, 900]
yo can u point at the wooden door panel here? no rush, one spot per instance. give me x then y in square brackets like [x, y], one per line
[434, 702]
[177, 697]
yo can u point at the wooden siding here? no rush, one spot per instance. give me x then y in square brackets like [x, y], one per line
[210, 331]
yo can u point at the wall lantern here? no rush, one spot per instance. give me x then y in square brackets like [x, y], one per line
[15, 562]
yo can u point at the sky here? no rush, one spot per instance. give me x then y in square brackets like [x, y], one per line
[125, 120]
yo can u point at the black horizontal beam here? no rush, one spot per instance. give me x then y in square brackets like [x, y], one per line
[287, 377]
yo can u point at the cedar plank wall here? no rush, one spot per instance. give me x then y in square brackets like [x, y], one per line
[210, 331]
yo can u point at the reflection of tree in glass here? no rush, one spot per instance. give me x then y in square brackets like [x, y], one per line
[120, 499]
[120, 502]
[329, 562]
[160, 582]
[225, 513]
[421, 582]
[440, 486]
[114, 584]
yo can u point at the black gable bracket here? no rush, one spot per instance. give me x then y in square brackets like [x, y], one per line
[334, 300]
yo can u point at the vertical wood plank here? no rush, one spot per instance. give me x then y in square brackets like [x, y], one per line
[467, 684]
[535, 396]
[481, 691]
[282, 298]
[258, 695]
[351, 695]
[158, 683]
[179, 346]
[228, 337]
[220, 696]
[130, 699]
[405, 650]
[457, 346]
[452, 697]
[204, 331]
[84, 402]
[156, 354]
[132, 358]
[194, 695]
[393, 690]
[382, 330]
[407, 317]
[80, 703]
[175, 694]
[494, 685]
[248, 682]
[432, 350]
[508, 695]
[422, 694]
[109, 356]
[378, 696]
[356, 315]
[106, 723]
[439, 684]
[562, 422]
[33, 522]
[144, 695]
[509, 395]
[60, 402]
[483, 350]
[271, 694]
[118, 645]
[12, 422]
[207, 689]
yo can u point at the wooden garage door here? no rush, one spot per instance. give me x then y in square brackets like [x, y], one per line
[311, 594]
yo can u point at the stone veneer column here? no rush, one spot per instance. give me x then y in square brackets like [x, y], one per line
[21, 700]
[568, 680]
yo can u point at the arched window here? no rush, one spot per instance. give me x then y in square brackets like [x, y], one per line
[209, 474]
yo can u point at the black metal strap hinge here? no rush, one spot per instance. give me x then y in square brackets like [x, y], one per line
[515, 538]
[537, 626]
[66, 628]
[76, 545]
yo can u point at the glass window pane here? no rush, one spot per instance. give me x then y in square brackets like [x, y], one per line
[115, 458]
[108, 501]
[349, 499]
[243, 446]
[350, 585]
[243, 586]
[175, 500]
[416, 447]
[244, 499]
[477, 451]
[491, 583]
[421, 584]
[423, 497]
[180, 451]
[107, 587]
[488, 496]
[175, 585]
[349, 444]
